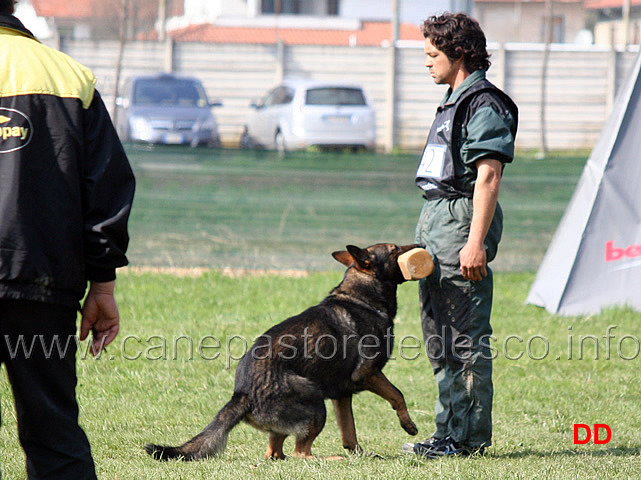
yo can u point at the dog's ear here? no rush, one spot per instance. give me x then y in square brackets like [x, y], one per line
[362, 257]
[354, 256]
[344, 257]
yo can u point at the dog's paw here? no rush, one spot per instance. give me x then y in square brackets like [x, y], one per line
[157, 452]
[354, 449]
[410, 427]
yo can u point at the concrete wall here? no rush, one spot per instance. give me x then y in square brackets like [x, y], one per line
[580, 85]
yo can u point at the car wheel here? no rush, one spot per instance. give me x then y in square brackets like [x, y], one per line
[215, 143]
[246, 141]
[279, 141]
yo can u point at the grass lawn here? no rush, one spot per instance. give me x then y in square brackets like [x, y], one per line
[254, 210]
[236, 209]
[154, 385]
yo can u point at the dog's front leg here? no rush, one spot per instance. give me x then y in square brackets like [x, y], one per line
[345, 420]
[378, 383]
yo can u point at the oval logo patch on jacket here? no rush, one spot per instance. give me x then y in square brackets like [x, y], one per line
[16, 130]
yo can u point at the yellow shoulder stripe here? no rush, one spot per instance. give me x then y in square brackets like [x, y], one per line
[44, 71]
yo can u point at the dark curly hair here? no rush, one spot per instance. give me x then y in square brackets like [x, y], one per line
[7, 6]
[457, 34]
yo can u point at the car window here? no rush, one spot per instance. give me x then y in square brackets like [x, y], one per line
[269, 98]
[335, 96]
[169, 91]
[287, 95]
[279, 96]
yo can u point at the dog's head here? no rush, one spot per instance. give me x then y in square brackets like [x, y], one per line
[380, 260]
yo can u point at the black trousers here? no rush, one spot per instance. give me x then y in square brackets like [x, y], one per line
[38, 349]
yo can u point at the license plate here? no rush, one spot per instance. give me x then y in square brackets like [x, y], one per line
[174, 138]
[338, 118]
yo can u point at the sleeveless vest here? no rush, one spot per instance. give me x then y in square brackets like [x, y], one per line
[440, 172]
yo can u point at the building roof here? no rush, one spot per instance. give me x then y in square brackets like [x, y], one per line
[63, 8]
[370, 34]
[86, 9]
[589, 4]
[530, 1]
[599, 4]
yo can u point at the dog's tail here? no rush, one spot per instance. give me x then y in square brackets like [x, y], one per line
[212, 440]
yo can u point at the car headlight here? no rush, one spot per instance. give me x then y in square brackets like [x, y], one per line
[140, 126]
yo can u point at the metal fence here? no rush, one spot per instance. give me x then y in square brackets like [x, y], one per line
[580, 82]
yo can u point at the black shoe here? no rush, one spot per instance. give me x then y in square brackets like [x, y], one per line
[444, 447]
[424, 448]
[452, 448]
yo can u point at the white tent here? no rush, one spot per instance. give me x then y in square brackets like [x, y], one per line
[594, 259]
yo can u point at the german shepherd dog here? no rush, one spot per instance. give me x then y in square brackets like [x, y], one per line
[332, 350]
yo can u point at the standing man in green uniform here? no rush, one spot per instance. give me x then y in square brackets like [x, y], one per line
[470, 141]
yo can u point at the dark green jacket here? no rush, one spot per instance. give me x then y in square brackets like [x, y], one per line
[474, 122]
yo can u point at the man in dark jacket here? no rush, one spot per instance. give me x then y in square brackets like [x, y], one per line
[66, 189]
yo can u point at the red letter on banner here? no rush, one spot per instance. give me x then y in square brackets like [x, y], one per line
[612, 253]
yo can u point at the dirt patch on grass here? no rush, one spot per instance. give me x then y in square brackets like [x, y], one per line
[228, 272]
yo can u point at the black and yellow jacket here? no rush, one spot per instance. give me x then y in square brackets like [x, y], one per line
[66, 186]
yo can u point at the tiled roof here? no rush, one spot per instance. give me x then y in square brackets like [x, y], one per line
[597, 4]
[63, 8]
[371, 34]
[74, 9]
[530, 1]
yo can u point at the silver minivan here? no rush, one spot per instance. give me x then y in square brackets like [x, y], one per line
[301, 113]
[167, 109]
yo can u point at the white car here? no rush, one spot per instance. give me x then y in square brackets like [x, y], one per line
[301, 113]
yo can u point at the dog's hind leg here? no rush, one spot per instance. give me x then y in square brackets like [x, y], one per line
[378, 383]
[275, 448]
[316, 421]
[345, 420]
[304, 443]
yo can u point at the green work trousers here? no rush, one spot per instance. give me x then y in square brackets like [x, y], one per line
[455, 317]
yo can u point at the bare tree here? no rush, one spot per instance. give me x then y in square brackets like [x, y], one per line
[123, 11]
[141, 17]
[548, 35]
[162, 20]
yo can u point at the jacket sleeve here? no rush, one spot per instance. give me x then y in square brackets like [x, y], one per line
[490, 132]
[108, 189]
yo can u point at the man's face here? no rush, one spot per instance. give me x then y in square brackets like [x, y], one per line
[442, 69]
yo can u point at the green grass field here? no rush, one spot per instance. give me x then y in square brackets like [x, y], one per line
[253, 210]
[234, 209]
[154, 384]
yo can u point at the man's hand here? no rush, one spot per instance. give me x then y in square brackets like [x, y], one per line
[486, 193]
[473, 262]
[100, 315]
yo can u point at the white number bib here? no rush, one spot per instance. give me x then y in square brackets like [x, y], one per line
[431, 165]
